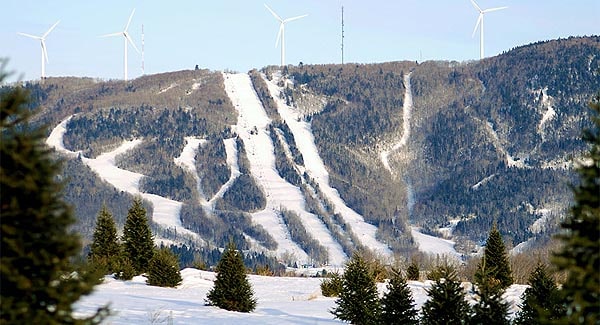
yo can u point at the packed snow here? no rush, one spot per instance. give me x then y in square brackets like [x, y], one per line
[548, 114]
[434, 245]
[166, 211]
[280, 300]
[315, 168]
[406, 113]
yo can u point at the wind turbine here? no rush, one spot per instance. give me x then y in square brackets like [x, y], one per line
[281, 34]
[480, 24]
[127, 39]
[43, 43]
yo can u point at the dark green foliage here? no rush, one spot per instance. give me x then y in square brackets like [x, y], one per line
[36, 271]
[244, 194]
[138, 242]
[124, 269]
[490, 308]
[495, 262]
[580, 256]
[105, 248]
[358, 303]
[232, 290]
[163, 270]
[446, 304]
[541, 301]
[332, 285]
[412, 272]
[398, 305]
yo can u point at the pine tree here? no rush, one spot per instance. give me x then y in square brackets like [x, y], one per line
[232, 290]
[398, 305]
[412, 272]
[541, 301]
[580, 255]
[138, 242]
[490, 308]
[36, 274]
[105, 249]
[358, 301]
[446, 304]
[164, 269]
[496, 261]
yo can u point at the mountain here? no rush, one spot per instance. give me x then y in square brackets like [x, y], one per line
[314, 161]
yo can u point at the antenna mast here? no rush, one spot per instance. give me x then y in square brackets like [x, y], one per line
[142, 49]
[342, 34]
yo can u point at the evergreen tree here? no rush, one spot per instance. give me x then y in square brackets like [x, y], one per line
[36, 274]
[446, 304]
[580, 255]
[164, 269]
[490, 308]
[358, 301]
[232, 290]
[495, 260]
[398, 305]
[541, 300]
[332, 285]
[105, 249]
[412, 272]
[138, 242]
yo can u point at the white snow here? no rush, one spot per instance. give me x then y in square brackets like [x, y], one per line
[166, 211]
[482, 182]
[232, 161]
[434, 245]
[315, 168]
[280, 300]
[171, 86]
[549, 114]
[510, 161]
[406, 114]
[187, 160]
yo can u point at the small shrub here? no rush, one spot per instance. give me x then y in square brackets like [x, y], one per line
[332, 285]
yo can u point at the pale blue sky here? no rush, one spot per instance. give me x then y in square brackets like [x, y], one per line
[240, 34]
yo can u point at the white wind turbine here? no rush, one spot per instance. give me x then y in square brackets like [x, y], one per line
[128, 39]
[281, 34]
[43, 44]
[480, 24]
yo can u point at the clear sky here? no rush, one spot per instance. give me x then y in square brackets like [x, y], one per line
[240, 35]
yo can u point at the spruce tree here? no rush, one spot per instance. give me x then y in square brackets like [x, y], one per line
[37, 280]
[541, 301]
[490, 308]
[446, 304]
[412, 272]
[138, 242]
[495, 260]
[358, 302]
[232, 290]
[105, 248]
[398, 305]
[580, 255]
[164, 269]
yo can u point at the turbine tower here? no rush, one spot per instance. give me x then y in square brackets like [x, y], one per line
[480, 24]
[127, 39]
[281, 34]
[43, 44]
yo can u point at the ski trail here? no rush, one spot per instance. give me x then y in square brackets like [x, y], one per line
[316, 169]
[406, 115]
[548, 115]
[232, 161]
[165, 211]
[187, 161]
[252, 129]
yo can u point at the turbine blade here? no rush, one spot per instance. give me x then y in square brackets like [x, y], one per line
[494, 9]
[279, 34]
[274, 14]
[131, 42]
[112, 34]
[44, 50]
[476, 6]
[49, 30]
[477, 24]
[294, 18]
[29, 35]
[129, 21]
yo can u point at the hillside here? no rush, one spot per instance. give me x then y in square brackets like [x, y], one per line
[315, 161]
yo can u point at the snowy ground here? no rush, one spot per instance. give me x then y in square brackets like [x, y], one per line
[281, 300]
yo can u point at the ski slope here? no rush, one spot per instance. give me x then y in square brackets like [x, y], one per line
[316, 169]
[406, 114]
[165, 211]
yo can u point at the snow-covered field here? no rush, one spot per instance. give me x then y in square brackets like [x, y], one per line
[281, 300]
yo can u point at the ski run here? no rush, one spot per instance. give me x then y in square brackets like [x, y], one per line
[252, 128]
